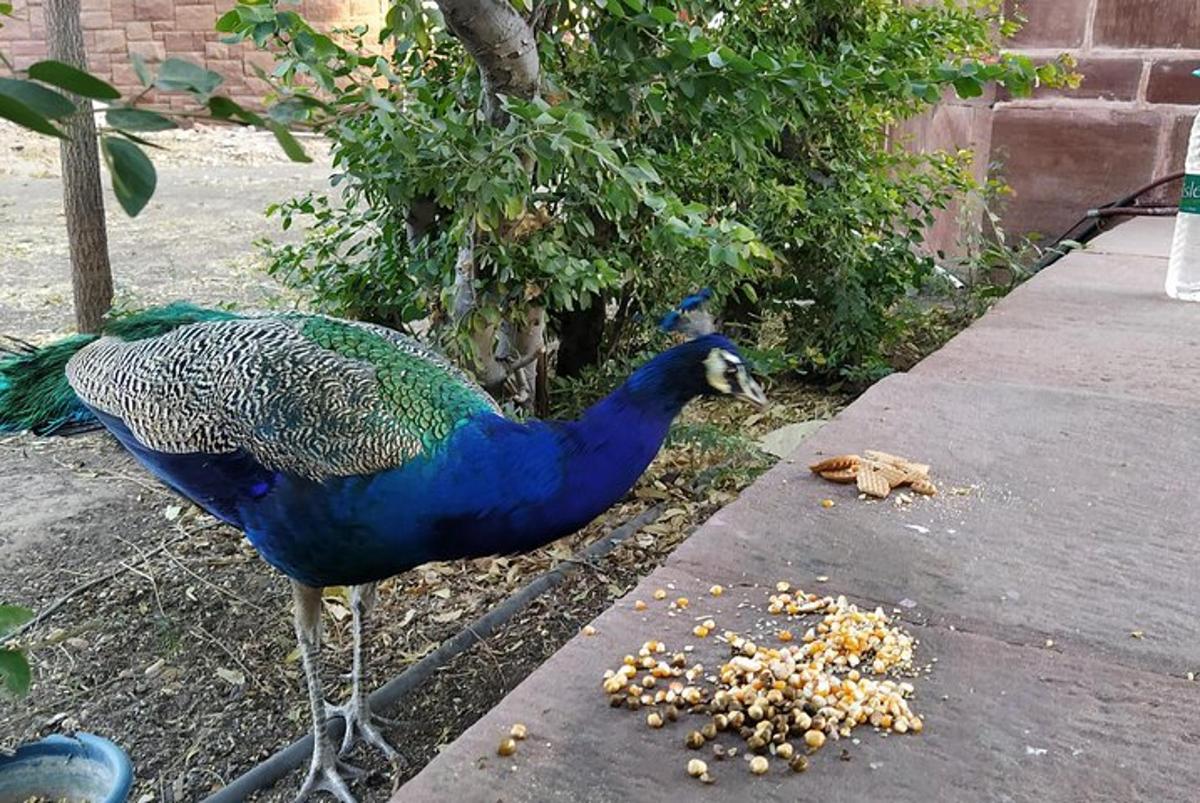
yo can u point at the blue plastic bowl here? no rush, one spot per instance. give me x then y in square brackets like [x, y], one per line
[80, 768]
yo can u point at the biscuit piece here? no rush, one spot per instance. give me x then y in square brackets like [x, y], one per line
[844, 476]
[872, 482]
[924, 486]
[839, 463]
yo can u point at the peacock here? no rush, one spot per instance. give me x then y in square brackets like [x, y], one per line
[348, 453]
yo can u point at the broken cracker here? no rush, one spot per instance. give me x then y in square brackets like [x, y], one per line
[844, 476]
[923, 486]
[839, 463]
[884, 457]
[872, 482]
[894, 475]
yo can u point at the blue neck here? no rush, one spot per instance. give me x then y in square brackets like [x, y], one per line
[597, 459]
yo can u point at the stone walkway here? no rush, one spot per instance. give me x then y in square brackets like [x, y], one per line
[1070, 412]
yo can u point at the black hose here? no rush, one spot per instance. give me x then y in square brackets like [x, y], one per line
[294, 755]
[1096, 217]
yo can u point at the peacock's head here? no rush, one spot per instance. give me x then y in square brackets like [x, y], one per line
[720, 369]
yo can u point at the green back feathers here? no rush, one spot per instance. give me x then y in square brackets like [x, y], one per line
[426, 395]
[34, 393]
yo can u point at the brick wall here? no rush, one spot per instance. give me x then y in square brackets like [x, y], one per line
[157, 29]
[1064, 152]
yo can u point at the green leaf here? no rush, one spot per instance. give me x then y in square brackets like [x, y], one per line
[138, 120]
[26, 117]
[225, 109]
[968, 87]
[6, 9]
[513, 206]
[15, 675]
[255, 14]
[45, 102]
[229, 22]
[291, 147]
[663, 14]
[72, 79]
[12, 617]
[177, 74]
[139, 68]
[133, 176]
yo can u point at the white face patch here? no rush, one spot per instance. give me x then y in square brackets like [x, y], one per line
[727, 374]
[717, 368]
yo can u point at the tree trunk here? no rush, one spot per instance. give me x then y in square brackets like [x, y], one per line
[83, 198]
[505, 48]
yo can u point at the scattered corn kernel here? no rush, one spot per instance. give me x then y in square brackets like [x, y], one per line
[696, 768]
[588, 630]
[508, 746]
[518, 731]
[838, 676]
[827, 503]
[654, 719]
[759, 765]
[639, 605]
[660, 593]
[716, 590]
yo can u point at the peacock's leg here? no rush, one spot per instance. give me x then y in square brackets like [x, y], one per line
[356, 711]
[325, 772]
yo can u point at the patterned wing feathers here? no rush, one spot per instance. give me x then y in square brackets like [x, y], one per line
[308, 395]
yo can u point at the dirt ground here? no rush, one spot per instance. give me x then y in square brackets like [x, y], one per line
[171, 636]
[193, 240]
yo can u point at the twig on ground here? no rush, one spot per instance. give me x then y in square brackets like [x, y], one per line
[46, 612]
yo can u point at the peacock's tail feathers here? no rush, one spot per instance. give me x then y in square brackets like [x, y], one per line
[34, 393]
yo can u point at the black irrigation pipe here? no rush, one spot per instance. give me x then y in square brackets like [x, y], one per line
[1095, 219]
[294, 755]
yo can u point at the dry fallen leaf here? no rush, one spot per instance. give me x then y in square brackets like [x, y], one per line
[233, 677]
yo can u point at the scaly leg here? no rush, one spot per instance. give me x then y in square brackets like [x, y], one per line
[325, 772]
[355, 711]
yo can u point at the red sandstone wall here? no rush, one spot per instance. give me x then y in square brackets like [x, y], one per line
[1066, 151]
[1127, 123]
[160, 28]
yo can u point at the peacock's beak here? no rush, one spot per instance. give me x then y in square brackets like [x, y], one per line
[751, 391]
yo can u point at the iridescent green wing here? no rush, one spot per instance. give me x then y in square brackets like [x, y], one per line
[424, 395]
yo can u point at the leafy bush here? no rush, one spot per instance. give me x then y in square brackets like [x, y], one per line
[15, 675]
[734, 144]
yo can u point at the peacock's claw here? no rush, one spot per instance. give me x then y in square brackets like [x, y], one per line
[328, 774]
[361, 720]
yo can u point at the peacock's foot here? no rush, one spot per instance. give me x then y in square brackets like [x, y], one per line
[361, 723]
[327, 774]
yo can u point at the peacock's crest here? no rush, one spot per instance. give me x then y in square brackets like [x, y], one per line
[690, 318]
